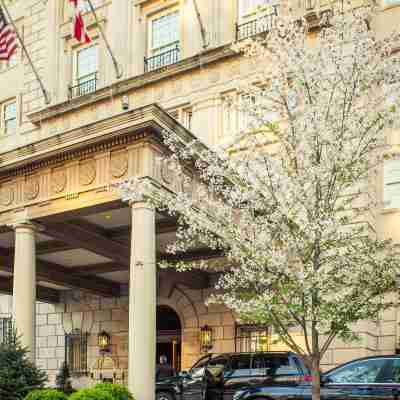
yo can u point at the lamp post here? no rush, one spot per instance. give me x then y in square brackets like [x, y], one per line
[206, 338]
[104, 342]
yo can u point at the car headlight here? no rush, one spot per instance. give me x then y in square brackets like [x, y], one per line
[238, 395]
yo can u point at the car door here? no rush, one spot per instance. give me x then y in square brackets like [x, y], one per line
[238, 374]
[214, 377]
[388, 382]
[193, 385]
[356, 380]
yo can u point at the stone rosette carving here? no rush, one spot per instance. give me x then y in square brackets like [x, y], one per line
[87, 173]
[32, 187]
[167, 170]
[119, 165]
[6, 196]
[58, 181]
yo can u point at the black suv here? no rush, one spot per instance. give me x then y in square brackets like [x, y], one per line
[218, 377]
[370, 378]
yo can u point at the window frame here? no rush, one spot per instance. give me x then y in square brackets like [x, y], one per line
[77, 339]
[5, 329]
[245, 16]
[77, 51]
[252, 340]
[172, 9]
[354, 364]
[3, 120]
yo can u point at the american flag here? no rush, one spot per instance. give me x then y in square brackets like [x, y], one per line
[80, 33]
[8, 40]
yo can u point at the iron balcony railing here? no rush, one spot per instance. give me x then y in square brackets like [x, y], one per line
[5, 330]
[162, 60]
[87, 85]
[263, 24]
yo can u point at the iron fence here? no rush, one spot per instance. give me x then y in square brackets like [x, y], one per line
[252, 338]
[87, 85]
[263, 24]
[76, 352]
[162, 60]
[5, 330]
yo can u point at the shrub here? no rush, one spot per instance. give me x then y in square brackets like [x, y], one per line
[63, 380]
[118, 392]
[18, 376]
[46, 394]
[91, 394]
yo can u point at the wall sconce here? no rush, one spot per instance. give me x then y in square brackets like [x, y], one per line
[206, 339]
[104, 342]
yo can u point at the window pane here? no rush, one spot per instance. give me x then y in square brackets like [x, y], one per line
[393, 373]
[247, 7]
[84, 5]
[87, 62]
[10, 117]
[358, 372]
[241, 365]
[165, 32]
[10, 111]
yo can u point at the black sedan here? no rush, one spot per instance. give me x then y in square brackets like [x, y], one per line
[372, 378]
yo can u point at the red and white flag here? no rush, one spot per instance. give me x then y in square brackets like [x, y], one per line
[8, 39]
[80, 33]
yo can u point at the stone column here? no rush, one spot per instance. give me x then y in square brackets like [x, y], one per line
[142, 304]
[24, 291]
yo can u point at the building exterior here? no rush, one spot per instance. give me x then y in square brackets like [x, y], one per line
[68, 239]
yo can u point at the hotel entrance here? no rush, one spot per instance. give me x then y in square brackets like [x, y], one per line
[169, 336]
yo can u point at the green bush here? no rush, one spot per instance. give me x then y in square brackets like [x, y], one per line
[18, 376]
[118, 392]
[91, 394]
[46, 394]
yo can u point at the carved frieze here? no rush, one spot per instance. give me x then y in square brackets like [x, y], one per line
[167, 170]
[87, 172]
[6, 196]
[32, 187]
[58, 180]
[119, 165]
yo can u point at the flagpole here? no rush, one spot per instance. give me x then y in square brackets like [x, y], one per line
[118, 68]
[44, 91]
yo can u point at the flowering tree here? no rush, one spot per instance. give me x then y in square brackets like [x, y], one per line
[291, 201]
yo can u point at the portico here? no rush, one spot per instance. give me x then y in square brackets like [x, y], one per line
[65, 230]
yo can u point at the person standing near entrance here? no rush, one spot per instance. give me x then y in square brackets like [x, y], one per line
[163, 369]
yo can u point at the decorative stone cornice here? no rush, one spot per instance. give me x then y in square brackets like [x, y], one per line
[87, 140]
[127, 85]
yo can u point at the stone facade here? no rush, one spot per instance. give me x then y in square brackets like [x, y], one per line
[40, 178]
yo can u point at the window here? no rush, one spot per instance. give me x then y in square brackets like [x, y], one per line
[249, 7]
[164, 38]
[358, 372]
[391, 183]
[240, 365]
[183, 115]
[9, 117]
[85, 7]
[5, 329]
[76, 352]
[252, 338]
[86, 66]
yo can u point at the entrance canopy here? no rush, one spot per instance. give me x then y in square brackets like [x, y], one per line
[64, 186]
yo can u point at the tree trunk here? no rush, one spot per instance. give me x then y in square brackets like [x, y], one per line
[316, 380]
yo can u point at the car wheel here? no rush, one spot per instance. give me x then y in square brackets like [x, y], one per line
[165, 396]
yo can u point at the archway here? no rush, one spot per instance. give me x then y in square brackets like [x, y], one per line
[169, 336]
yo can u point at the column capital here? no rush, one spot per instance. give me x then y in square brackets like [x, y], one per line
[26, 224]
[140, 204]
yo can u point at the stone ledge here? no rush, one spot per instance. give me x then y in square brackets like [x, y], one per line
[124, 86]
[118, 129]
